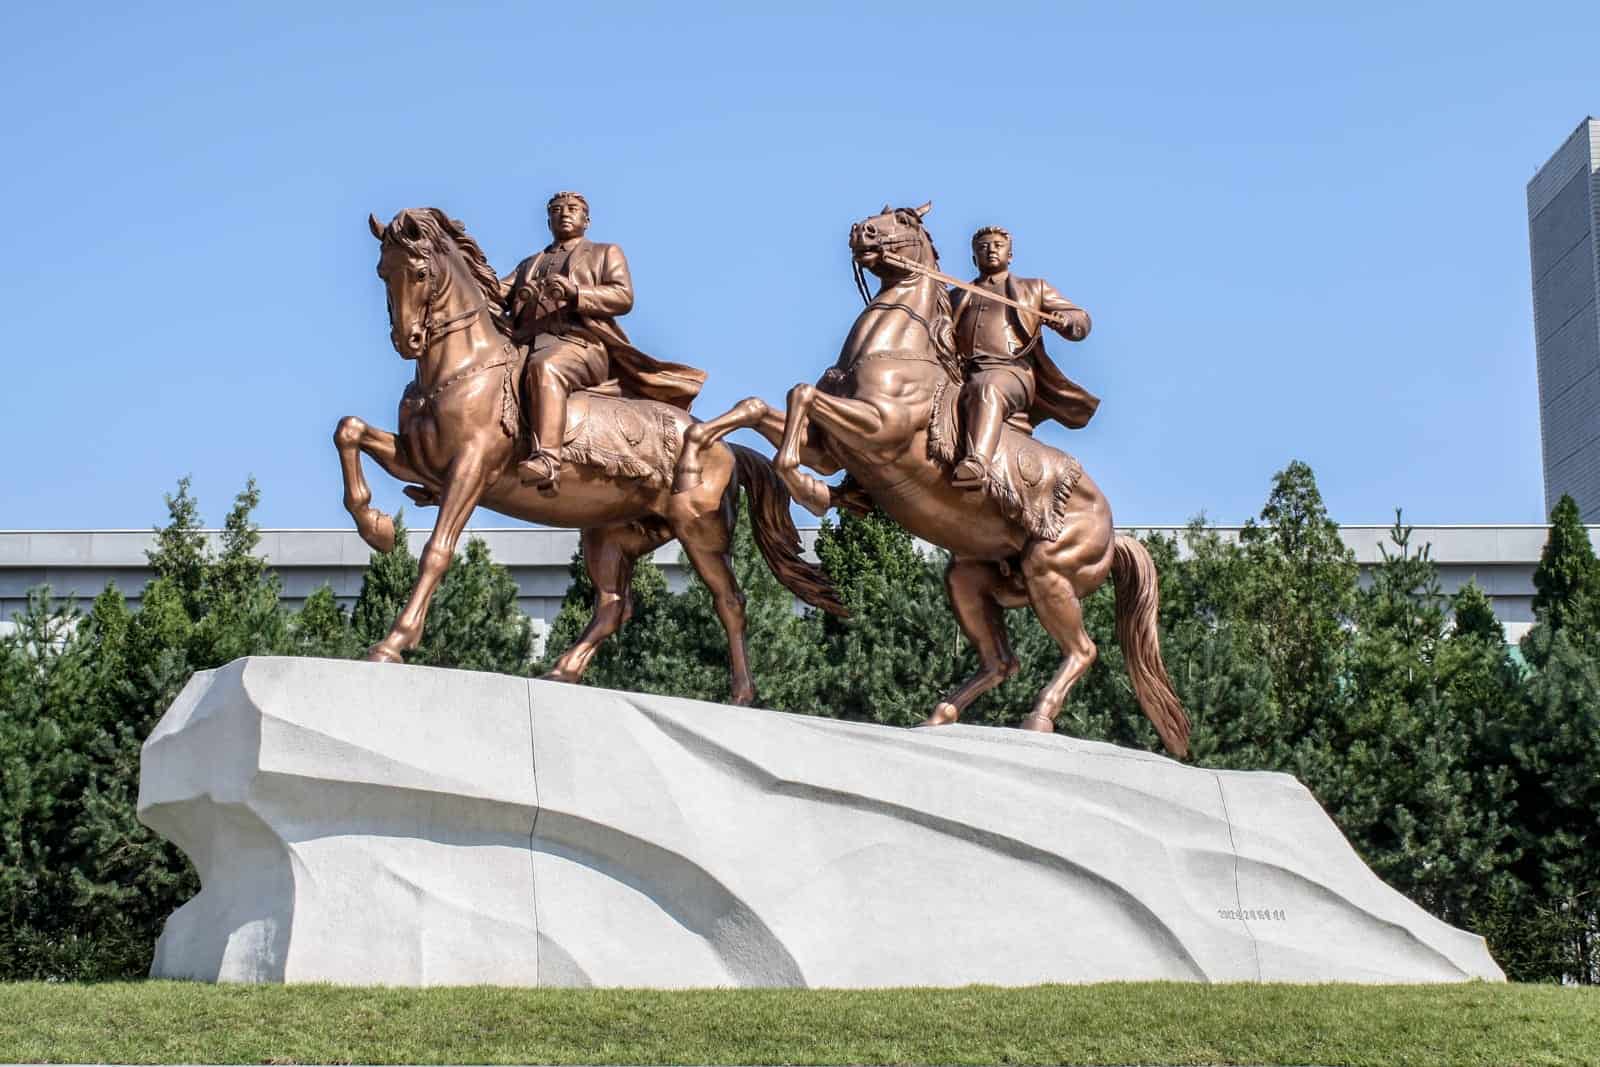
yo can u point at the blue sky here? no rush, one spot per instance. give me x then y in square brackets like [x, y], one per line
[1300, 235]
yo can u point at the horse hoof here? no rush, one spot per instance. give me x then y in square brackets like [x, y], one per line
[377, 531]
[380, 654]
[944, 714]
[742, 698]
[1041, 724]
[421, 496]
[559, 676]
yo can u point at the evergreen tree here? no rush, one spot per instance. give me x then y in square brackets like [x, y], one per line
[1566, 582]
[474, 622]
[322, 628]
[1558, 793]
[640, 655]
[180, 555]
[866, 555]
[1474, 614]
[1299, 596]
[385, 587]
[239, 612]
[900, 650]
[1410, 769]
[1218, 670]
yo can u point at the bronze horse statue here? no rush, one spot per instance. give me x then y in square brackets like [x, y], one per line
[1040, 535]
[459, 439]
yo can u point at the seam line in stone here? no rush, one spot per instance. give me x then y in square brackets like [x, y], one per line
[1238, 900]
[533, 831]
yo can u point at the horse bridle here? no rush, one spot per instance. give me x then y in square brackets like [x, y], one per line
[912, 234]
[436, 330]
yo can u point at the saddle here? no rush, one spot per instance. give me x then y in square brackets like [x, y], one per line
[1031, 481]
[623, 436]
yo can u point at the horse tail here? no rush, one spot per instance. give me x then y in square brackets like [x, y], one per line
[1138, 598]
[776, 535]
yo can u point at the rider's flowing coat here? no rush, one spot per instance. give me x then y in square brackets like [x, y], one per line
[605, 290]
[1057, 396]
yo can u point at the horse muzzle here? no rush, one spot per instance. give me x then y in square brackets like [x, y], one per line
[409, 345]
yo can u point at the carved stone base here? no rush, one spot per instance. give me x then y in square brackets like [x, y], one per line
[374, 823]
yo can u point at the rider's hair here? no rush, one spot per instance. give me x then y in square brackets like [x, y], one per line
[567, 194]
[1002, 231]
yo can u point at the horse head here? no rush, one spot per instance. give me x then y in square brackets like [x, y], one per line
[434, 276]
[893, 230]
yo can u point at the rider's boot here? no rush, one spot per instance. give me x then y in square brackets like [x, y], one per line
[985, 414]
[542, 470]
[547, 395]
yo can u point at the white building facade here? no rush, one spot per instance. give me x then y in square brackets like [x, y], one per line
[79, 563]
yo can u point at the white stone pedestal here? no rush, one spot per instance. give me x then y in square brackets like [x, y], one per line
[374, 823]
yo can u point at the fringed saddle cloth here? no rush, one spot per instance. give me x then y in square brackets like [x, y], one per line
[1031, 482]
[626, 437]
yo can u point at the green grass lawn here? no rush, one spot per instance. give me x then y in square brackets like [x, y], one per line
[1161, 1023]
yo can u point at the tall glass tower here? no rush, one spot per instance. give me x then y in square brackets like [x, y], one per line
[1563, 224]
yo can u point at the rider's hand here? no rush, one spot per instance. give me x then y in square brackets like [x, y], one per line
[561, 288]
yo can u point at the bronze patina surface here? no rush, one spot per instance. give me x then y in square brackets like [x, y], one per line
[608, 459]
[1035, 530]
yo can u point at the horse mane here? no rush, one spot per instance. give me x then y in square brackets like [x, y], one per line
[943, 326]
[436, 233]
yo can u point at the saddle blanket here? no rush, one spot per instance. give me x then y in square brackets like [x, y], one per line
[1031, 482]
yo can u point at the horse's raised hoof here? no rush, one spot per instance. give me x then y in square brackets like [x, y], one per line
[381, 654]
[743, 697]
[421, 496]
[559, 675]
[1041, 724]
[944, 713]
[377, 530]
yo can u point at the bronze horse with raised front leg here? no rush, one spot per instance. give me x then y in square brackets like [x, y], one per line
[459, 439]
[877, 414]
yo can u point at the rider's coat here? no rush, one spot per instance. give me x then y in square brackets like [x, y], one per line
[587, 333]
[991, 337]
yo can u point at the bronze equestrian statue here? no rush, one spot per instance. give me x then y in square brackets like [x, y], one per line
[563, 303]
[1009, 377]
[614, 457]
[1040, 534]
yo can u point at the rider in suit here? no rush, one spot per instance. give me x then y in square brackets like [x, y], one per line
[1007, 371]
[562, 304]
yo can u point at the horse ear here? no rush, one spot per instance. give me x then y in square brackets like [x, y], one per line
[924, 209]
[375, 226]
[886, 208]
[410, 228]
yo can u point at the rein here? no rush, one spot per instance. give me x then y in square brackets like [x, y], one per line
[438, 330]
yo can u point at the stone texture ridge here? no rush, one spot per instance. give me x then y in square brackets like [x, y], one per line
[374, 823]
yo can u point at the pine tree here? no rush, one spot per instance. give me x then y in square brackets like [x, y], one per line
[1415, 777]
[1558, 793]
[1474, 614]
[322, 628]
[385, 587]
[474, 622]
[1300, 593]
[180, 555]
[900, 651]
[1566, 581]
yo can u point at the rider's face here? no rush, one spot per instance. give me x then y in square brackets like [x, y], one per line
[992, 253]
[568, 219]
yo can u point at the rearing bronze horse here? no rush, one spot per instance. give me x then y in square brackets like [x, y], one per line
[1040, 535]
[459, 438]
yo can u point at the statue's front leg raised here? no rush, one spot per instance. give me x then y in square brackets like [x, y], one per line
[352, 438]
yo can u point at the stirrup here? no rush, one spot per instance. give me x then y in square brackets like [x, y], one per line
[541, 470]
[970, 473]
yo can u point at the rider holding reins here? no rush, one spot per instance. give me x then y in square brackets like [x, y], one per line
[1006, 368]
[563, 304]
